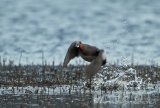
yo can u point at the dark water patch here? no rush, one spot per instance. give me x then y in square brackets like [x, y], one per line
[38, 31]
[33, 22]
[15, 38]
[149, 38]
[157, 52]
[54, 11]
[143, 43]
[19, 19]
[100, 13]
[5, 53]
[131, 44]
[132, 28]
[156, 11]
[17, 49]
[33, 9]
[61, 33]
[115, 41]
[140, 52]
[1, 48]
[38, 51]
[153, 23]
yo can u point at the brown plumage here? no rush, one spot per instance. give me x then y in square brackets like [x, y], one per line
[88, 53]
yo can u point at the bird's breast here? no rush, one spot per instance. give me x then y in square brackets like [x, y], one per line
[88, 52]
[88, 58]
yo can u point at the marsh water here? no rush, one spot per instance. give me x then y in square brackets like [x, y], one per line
[125, 29]
[64, 101]
[61, 97]
[120, 27]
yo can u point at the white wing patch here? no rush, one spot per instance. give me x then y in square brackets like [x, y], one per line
[103, 56]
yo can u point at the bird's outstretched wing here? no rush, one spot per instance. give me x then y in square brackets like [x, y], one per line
[71, 53]
[95, 66]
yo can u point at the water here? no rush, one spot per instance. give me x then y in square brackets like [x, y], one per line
[22, 99]
[120, 27]
[68, 101]
[45, 101]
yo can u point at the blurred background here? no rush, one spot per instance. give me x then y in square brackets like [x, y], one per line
[125, 29]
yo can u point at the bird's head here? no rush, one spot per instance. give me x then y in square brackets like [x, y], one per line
[77, 44]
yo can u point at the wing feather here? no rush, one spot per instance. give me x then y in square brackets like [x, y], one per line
[71, 53]
[94, 67]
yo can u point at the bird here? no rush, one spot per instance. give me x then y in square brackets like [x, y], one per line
[89, 53]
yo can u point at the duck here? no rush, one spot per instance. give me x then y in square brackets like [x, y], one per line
[89, 53]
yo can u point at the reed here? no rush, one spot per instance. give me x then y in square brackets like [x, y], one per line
[49, 75]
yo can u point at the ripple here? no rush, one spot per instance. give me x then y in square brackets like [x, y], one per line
[52, 26]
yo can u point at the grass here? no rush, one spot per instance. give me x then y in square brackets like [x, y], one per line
[48, 75]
